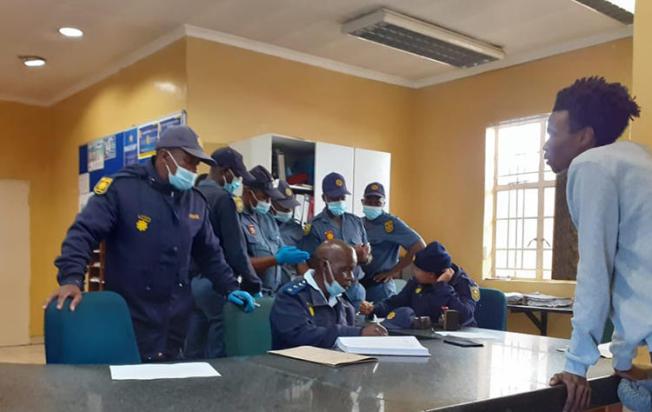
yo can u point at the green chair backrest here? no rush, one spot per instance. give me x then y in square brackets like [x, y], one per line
[247, 334]
[99, 331]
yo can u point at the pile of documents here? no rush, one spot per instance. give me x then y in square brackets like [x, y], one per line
[382, 345]
[514, 298]
[547, 301]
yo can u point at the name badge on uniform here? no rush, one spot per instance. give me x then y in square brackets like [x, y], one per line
[251, 229]
[389, 226]
[417, 290]
[194, 216]
[142, 224]
[475, 293]
[329, 235]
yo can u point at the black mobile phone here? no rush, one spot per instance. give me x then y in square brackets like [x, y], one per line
[462, 342]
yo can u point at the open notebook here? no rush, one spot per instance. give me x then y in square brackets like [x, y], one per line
[382, 345]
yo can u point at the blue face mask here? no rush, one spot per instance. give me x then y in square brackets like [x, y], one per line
[283, 217]
[182, 179]
[234, 186]
[334, 289]
[372, 212]
[261, 207]
[337, 208]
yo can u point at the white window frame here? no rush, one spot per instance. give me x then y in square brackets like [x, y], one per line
[492, 188]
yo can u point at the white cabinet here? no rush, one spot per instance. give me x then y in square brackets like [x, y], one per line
[315, 160]
[370, 166]
[333, 158]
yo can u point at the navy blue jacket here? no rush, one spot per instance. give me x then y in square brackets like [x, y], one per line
[151, 230]
[225, 220]
[460, 294]
[302, 316]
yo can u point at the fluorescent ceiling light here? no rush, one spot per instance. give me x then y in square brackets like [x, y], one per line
[422, 39]
[32, 61]
[621, 10]
[70, 32]
[628, 5]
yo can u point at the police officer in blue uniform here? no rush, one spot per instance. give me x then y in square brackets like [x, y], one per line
[265, 247]
[221, 188]
[283, 211]
[153, 221]
[334, 222]
[387, 234]
[438, 283]
[315, 310]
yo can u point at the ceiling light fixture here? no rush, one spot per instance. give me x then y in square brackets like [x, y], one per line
[410, 35]
[621, 10]
[33, 61]
[71, 32]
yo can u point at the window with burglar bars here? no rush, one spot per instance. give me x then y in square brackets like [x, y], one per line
[519, 201]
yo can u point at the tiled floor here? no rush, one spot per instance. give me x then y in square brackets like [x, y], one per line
[34, 354]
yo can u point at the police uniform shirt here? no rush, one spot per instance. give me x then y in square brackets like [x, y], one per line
[387, 233]
[301, 315]
[151, 232]
[263, 239]
[225, 220]
[460, 294]
[291, 233]
[324, 228]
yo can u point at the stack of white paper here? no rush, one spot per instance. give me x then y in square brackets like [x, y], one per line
[382, 345]
[514, 298]
[547, 301]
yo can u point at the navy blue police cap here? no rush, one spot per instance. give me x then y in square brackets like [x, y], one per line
[433, 258]
[263, 180]
[333, 185]
[374, 189]
[289, 201]
[399, 318]
[184, 138]
[229, 158]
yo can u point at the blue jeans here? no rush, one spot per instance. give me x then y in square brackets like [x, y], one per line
[380, 291]
[205, 337]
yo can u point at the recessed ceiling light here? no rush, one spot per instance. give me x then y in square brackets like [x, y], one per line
[70, 32]
[32, 61]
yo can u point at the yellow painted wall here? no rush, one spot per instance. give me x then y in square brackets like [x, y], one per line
[642, 68]
[27, 145]
[448, 150]
[235, 94]
[152, 87]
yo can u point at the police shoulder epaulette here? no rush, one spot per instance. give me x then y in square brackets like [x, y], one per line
[102, 186]
[200, 193]
[294, 288]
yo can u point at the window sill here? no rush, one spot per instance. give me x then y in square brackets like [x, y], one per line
[532, 281]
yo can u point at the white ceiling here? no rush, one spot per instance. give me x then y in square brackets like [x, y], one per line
[114, 29]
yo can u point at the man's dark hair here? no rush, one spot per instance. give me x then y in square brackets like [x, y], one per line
[593, 102]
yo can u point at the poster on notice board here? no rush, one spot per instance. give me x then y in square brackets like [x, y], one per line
[130, 148]
[96, 155]
[147, 138]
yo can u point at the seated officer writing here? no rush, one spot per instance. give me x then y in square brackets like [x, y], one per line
[438, 283]
[314, 310]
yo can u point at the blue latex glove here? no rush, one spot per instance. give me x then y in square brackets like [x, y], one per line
[242, 299]
[290, 255]
[258, 295]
